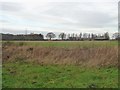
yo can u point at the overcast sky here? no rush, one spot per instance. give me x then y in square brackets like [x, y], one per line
[69, 16]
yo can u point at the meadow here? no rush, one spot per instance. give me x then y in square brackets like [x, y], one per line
[65, 44]
[60, 64]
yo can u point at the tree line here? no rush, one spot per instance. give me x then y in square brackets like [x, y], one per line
[82, 36]
[61, 36]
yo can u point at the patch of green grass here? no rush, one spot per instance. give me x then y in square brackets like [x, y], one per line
[26, 75]
[66, 44]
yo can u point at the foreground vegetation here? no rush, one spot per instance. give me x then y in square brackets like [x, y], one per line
[60, 64]
[25, 75]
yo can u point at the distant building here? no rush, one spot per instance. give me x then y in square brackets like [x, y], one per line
[31, 37]
[116, 36]
[100, 38]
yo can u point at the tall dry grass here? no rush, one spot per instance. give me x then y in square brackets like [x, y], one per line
[97, 56]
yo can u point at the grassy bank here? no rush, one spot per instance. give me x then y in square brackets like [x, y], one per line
[83, 56]
[60, 64]
[25, 75]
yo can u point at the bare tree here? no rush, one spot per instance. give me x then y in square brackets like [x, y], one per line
[107, 35]
[68, 36]
[50, 35]
[92, 36]
[72, 35]
[76, 37]
[85, 35]
[89, 36]
[62, 36]
[80, 35]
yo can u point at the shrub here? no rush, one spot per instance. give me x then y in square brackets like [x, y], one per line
[7, 43]
[21, 44]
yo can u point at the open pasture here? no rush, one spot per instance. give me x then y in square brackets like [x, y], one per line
[60, 64]
[66, 44]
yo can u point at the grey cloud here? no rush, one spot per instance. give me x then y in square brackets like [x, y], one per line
[119, 14]
[93, 19]
[84, 18]
[73, 15]
[10, 6]
[4, 21]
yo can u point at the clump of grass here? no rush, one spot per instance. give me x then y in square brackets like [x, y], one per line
[17, 75]
[98, 56]
[7, 43]
[20, 59]
[21, 44]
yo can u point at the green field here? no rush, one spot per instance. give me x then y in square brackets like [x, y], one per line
[20, 72]
[36, 76]
[66, 44]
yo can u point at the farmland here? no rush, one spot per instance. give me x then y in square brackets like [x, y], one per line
[65, 44]
[60, 64]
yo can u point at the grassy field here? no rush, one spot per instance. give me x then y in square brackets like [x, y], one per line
[37, 76]
[66, 44]
[60, 64]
